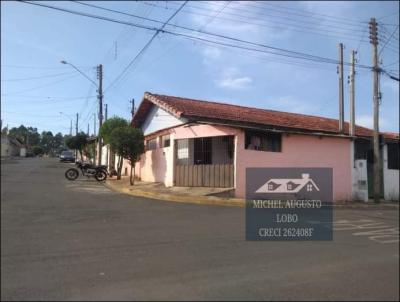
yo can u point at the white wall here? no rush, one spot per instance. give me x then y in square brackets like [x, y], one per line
[158, 119]
[390, 179]
[104, 155]
[360, 180]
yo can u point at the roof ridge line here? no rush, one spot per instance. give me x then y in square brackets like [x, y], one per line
[234, 105]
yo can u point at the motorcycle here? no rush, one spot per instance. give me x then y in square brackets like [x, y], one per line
[98, 172]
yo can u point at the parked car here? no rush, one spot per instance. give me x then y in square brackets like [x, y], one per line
[67, 156]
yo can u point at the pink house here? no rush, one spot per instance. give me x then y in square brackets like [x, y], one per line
[201, 143]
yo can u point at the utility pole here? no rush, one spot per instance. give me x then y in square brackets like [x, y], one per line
[341, 92]
[94, 124]
[100, 97]
[133, 107]
[94, 134]
[76, 124]
[76, 133]
[105, 118]
[373, 31]
[88, 129]
[70, 128]
[352, 127]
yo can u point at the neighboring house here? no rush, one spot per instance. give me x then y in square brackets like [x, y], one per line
[11, 146]
[283, 185]
[200, 143]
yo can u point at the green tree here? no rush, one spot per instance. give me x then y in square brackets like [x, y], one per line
[20, 133]
[27, 135]
[37, 150]
[47, 141]
[128, 143]
[108, 127]
[58, 143]
[105, 133]
[33, 136]
[77, 142]
[70, 142]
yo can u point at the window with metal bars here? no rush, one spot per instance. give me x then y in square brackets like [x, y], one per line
[151, 144]
[165, 141]
[263, 141]
[393, 156]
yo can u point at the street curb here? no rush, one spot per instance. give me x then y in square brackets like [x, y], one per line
[205, 200]
[232, 202]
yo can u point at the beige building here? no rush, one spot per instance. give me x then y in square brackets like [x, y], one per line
[10, 146]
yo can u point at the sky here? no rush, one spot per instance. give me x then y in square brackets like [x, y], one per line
[38, 91]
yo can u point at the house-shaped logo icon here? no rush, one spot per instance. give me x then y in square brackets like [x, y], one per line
[289, 185]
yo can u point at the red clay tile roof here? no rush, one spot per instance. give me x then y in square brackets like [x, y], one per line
[206, 110]
[391, 135]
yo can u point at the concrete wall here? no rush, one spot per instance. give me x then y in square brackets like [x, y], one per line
[8, 148]
[297, 151]
[360, 180]
[300, 151]
[5, 147]
[390, 179]
[157, 165]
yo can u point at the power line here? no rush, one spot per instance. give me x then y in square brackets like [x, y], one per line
[41, 86]
[147, 45]
[36, 78]
[125, 30]
[286, 13]
[286, 52]
[50, 98]
[395, 13]
[294, 27]
[339, 19]
[187, 28]
[390, 75]
[215, 15]
[37, 67]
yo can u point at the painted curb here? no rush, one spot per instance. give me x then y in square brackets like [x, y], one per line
[178, 198]
[232, 202]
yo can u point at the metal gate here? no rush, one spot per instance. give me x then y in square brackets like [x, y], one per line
[204, 162]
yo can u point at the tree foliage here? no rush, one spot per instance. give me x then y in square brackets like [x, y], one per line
[108, 127]
[128, 143]
[37, 150]
[77, 142]
[29, 136]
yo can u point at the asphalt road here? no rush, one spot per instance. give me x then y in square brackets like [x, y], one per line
[78, 240]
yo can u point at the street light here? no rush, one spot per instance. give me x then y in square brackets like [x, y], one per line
[70, 129]
[81, 72]
[99, 96]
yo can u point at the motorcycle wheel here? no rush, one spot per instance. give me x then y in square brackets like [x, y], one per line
[71, 174]
[100, 175]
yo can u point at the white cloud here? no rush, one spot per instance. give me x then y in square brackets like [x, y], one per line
[368, 121]
[232, 79]
[235, 83]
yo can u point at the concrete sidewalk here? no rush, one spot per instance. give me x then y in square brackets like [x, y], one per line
[211, 196]
[196, 195]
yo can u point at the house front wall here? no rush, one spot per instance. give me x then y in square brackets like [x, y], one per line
[390, 178]
[158, 165]
[299, 151]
